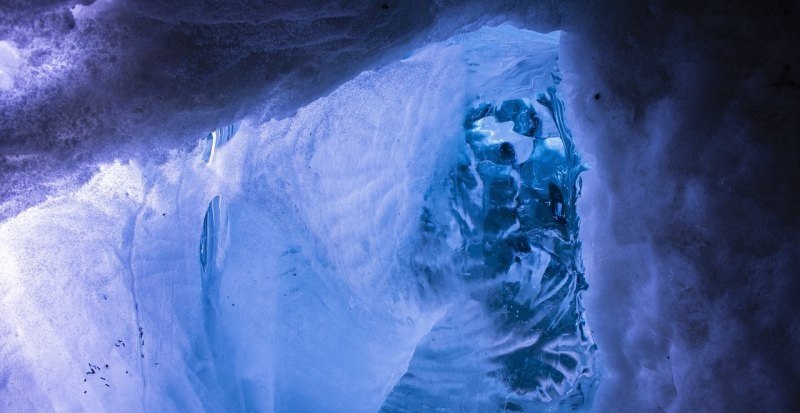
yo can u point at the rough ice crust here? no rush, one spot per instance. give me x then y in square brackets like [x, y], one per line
[283, 272]
[515, 338]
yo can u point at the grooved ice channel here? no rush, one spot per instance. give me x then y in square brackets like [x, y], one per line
[408, 243]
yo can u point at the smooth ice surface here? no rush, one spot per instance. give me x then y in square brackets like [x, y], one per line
[10, 61]
[291, 270]
[216, 139]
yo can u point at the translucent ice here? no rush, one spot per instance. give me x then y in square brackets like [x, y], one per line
[216, 139]
[516, 340]
[407, 243]
[10, 61]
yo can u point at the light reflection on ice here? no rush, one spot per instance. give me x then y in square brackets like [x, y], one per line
[10, 62]
[318, 302]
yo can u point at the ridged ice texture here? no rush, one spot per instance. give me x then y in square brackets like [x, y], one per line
[517, 339]
[293, 273]
[216, 139]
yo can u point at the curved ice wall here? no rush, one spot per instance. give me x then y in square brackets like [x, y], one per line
[379, 251]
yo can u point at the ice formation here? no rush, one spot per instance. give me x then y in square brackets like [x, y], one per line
[515, 339]
[10, 61]
[376, 252]
[216, 139]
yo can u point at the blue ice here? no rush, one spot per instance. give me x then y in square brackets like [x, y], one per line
[216, 138]
[408, 243]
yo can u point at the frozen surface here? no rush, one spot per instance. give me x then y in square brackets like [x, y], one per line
[339, 260]
[216, 139]
[685, 111]
[10, 61]
[133, 79]
[510, 228]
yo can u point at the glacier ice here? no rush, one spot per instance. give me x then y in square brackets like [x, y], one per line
[10, 61]
[516, 338]
[216, 139]
[407, 243]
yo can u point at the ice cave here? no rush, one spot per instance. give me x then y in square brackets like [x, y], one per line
[396, 227]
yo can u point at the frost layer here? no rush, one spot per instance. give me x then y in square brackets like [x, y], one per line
[338, 261]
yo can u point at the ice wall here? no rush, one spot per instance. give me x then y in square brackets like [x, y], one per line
[119, 79]
[516, 337]
[279, 271]
[686, 114]
[685, 110]
[10, 62]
